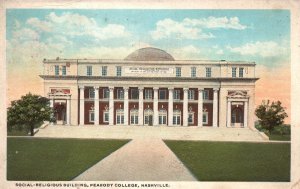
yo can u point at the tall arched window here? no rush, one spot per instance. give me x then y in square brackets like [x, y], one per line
[119, 116]
[162, 117]
[176, 117]
[134, 117]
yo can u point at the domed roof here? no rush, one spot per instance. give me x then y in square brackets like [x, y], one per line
[149, 54]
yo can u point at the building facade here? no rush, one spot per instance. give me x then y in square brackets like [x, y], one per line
[150, 88]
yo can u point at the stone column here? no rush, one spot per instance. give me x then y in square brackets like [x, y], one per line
[246, 113]
[51, 102]
[125, 105]
[185, 106]
[170, 106]
[200, 107]
[215, 108]
[228, 113]
[68, 110]
[96, 106]
[155, 106]
[141, 106]
[111, 105]
[51, 106]
[81, 111]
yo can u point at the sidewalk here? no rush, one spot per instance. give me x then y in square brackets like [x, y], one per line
[139, 160]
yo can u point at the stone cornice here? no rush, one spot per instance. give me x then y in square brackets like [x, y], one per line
[123, 78]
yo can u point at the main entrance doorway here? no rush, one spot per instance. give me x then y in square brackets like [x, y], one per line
[237, 117]
[60, 113]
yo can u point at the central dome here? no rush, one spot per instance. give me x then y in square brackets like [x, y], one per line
[149, 54]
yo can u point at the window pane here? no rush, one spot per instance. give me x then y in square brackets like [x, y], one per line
[193, 72]
[119, 71]
[106, 117]
[162, 94]
[241, 72]
[122, 119]
[134, 93]
[89, 70]
[104, 70]
[56, 70]
[178, 120]
[178, 72]
[91, 93]
[120, 94]
[64, 70]
[208, 72]
[233, 72]
[148, 94]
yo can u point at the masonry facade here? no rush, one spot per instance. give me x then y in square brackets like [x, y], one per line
[150, 88]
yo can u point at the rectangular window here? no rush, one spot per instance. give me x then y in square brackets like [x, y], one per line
[119, 71]
[104, 70]
[191, 118]
[134, 94]
[191, 95]
[162, 94]
[233, 72]
[56, 70]
[120, 94]
[178, 72]
[105, 93]
[241, 72]
[91, 93]
[205, 118]
[176, 95]
[91, 116]
[106, 117]
[148, 93]
[89, 70]
[205, 94]
[208, 72]
[64, 70]
[193, 72]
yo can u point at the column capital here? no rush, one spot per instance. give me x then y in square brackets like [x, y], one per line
[171, 88]
[155, 88]
[185, 89]
[126, 89]
[96, 87]
[111, 88]
[200, 90]
[216, 89]
[81, 87]
[141, 88]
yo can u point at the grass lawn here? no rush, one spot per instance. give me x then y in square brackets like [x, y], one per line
[280, 137]
[233, 161]
[55, 159]
[17, 133]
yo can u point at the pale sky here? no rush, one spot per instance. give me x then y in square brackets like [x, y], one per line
[262, 36]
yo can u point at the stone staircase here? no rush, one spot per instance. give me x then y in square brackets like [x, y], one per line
[162, 132]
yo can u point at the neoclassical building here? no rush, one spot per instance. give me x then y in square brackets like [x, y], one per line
[150, 88]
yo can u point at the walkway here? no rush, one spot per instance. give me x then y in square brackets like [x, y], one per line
[139, 160]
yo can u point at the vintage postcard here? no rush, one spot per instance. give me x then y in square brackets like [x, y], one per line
[143, 94]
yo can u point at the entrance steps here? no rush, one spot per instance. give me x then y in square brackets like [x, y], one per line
[159, 132]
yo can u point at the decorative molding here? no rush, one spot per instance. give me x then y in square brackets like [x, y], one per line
[238, 94]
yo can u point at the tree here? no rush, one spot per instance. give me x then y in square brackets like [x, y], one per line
[270, 115]
[28, 112]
